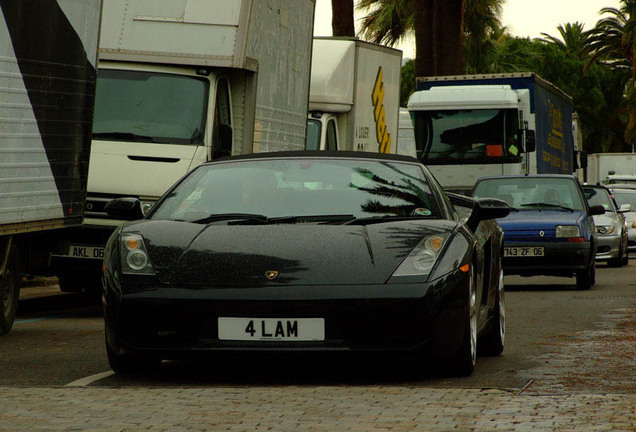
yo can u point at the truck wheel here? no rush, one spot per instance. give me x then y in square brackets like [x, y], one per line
[10, 291]
[70, 283]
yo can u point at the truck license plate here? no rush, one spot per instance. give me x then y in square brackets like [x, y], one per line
[278, 329]
[89, 252]
[524, 252]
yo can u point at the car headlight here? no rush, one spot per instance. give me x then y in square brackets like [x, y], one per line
[605, 229]
[421, 260]
[567, 231]
[134, 256]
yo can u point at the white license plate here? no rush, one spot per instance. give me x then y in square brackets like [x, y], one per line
[89, 252]
[524, 252]
[278, 329]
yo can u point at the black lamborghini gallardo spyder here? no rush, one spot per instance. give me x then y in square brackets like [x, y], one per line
[305, 253]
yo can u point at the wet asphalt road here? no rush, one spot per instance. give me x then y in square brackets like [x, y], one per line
[555, 338]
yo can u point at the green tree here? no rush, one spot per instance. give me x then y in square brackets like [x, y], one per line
[613, 43]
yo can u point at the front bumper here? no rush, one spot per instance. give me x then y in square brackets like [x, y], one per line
[170, 322]
[560, 259]
[608, 247]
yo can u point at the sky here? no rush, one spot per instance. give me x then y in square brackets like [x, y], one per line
[522, 17]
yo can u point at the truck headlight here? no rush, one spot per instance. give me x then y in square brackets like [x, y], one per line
[567, 231]
[134, 256]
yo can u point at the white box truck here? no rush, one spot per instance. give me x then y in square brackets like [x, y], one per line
[354, 96]
[48, 58]
[611, 168]
[181, 83]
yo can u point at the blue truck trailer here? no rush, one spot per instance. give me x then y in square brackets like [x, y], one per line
[471, 126]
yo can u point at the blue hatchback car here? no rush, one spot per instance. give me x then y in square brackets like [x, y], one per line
[550, 230]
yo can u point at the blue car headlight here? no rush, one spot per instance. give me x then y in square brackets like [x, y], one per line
[567, 231]
[134, 256]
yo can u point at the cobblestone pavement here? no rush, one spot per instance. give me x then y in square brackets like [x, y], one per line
[292, 408]
[587, 384]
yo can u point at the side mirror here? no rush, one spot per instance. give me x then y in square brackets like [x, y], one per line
[124, 208]
[531, 141]
[597, 210]
[482, 209]
[625, 208]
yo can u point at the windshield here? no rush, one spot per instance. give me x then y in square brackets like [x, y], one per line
[531, 193]
[314, 128]
[301, 187]
[150, 107]
[477, 136]
[599, 197]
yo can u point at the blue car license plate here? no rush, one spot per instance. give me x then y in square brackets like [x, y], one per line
[524, 252]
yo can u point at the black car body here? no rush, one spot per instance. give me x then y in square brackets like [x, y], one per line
[341, 253]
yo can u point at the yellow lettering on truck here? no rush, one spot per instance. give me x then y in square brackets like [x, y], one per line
[382, 135]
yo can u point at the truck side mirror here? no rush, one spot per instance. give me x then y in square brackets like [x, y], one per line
[531, 141]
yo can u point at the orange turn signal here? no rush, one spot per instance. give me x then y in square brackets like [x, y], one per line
[465, 268]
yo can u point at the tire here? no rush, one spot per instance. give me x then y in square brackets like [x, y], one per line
[626, 256]
[130, 363]
[586, 278]
[493, 341]
[620, 259]
[462, 363]
[70, 283]
[10, 291]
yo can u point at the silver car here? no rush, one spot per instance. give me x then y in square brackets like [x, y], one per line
[628, 197]
[610, 226]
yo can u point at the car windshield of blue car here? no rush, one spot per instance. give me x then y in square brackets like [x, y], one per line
[598, 196]
[300, 190]
[532, 193]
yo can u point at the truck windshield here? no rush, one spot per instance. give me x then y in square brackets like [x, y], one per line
[150, 107]
[473, 136]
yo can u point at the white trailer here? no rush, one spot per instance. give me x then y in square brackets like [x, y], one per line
[181, 83]
[354, 96]
[48, 58]
[607, 168]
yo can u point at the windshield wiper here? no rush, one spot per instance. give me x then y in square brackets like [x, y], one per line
[385, 218]
[231, 216]
[541, 204]
[298, 219]
[123, 136]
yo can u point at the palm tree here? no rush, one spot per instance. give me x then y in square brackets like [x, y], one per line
[613, 42]
[342, 18]
[574, 40]
[444, 28]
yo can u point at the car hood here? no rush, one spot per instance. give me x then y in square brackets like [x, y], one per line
[545, 220]
[302, 254]
[609, 218]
